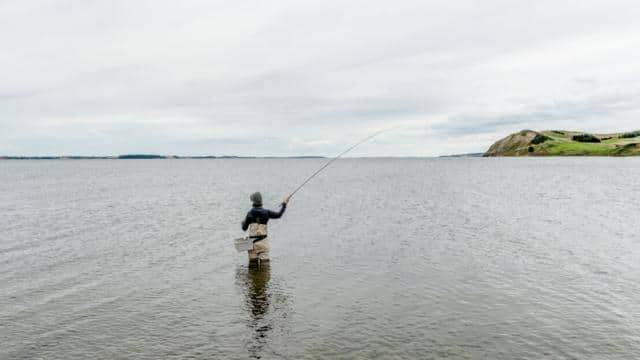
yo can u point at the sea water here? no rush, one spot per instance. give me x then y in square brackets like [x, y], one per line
[466, 258]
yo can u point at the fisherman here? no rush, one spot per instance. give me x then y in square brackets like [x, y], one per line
[256, 222]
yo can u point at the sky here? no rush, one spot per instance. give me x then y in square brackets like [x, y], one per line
[306, 77]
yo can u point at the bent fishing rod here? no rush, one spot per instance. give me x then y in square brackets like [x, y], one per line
[338, 157]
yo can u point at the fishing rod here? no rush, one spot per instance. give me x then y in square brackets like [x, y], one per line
[338, 157]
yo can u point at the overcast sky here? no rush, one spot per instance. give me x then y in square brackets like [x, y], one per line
[304, 77]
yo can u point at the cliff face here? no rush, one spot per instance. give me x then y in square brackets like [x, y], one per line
[513, 145]
[566, 143]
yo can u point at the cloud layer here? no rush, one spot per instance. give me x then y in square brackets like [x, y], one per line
[310, 77]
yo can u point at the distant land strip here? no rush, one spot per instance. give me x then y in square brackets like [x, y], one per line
[151, 157]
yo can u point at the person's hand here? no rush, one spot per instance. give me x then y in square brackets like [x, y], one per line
[286, 199]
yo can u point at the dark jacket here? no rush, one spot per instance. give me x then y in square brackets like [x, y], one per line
[260, 215]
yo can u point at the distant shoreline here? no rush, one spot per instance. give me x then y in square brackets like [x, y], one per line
[150, 157]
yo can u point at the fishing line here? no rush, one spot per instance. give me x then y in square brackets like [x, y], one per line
[338, 157]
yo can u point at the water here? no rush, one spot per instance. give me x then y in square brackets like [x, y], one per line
[377, 258]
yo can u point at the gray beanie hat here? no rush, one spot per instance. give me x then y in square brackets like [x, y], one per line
[256, 198]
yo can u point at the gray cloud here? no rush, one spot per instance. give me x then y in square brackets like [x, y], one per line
[599, 109]
[308, 77]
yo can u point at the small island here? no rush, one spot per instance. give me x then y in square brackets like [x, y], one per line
[566, 143]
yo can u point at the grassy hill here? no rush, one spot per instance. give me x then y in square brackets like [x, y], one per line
[566, 143]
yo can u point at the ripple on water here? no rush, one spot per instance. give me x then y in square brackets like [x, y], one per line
[378, 258]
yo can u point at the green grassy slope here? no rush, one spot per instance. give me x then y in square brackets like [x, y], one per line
[561, 143]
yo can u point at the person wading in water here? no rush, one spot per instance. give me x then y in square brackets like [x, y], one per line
[256, 222]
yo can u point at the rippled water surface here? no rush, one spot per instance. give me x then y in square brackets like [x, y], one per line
[376, 258]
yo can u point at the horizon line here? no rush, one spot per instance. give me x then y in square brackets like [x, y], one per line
[204, 157]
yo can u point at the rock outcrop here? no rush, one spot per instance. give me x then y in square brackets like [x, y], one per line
[517, 144]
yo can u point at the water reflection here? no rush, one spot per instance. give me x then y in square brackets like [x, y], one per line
[262, 302]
